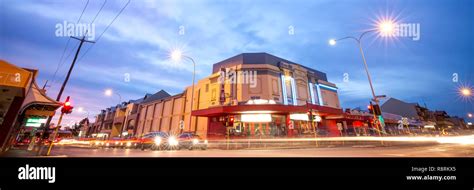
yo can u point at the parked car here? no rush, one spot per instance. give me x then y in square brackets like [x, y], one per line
[191, 141]
[153, 140]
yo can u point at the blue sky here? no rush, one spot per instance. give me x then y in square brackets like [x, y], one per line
[138, 41]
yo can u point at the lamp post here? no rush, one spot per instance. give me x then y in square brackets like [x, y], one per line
[178, 55]
[109, 92]
[385, 28]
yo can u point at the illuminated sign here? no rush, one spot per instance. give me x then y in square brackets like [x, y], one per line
[283, 89]
[35, 122]
[256, 118]
[311, 93]
[299, 116]
[261, 101]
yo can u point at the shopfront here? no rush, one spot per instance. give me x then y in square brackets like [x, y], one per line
[263, 121]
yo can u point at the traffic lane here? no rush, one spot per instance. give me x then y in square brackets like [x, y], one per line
[441, 150]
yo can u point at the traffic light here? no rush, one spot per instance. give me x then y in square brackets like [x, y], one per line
[67, 108]
[231, 121]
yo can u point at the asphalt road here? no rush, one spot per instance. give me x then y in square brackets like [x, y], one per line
[440, 150]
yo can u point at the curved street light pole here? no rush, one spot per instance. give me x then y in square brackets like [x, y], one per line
[358, 40]
[120, 97]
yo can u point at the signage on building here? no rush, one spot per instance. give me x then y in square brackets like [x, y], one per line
[222, 92]
[35, 122]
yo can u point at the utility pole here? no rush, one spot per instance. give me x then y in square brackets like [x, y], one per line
[58, 98]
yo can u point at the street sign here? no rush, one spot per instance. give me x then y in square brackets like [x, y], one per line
[181, 124]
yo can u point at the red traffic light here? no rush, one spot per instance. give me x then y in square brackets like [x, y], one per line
[67, 108]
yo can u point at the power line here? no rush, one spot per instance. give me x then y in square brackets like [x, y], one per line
[106, 28]
[93, 20]
[60, 63]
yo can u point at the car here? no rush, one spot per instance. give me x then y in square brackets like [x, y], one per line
[191, 141]
[153, 140]
[115, 142]
[97, 143]
[130, 142]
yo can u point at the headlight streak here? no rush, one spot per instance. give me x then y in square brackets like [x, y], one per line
[157, 140]
[463, 140]
[172, 141]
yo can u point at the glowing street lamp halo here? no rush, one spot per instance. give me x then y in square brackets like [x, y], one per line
[464, 92]
[386, 28]
[108, 92]
[332, 42]
[176, 55]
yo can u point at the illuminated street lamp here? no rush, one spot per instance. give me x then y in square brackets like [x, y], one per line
[469, 115]
[81, 110]
[385, 28]
[465, 91]
[177, 55]
[109, 92]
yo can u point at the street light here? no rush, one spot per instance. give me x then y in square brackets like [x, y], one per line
[469, 115]
[109, 92]
[385, 28]
[465, 91]
[81, 110]
[177, 55]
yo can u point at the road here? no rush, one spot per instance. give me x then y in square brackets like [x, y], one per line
[439, 150]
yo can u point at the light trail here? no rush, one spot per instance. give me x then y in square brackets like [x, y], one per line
[466, 140]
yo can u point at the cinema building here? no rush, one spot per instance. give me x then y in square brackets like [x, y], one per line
[251, 95]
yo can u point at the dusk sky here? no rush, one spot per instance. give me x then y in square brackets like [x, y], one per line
[138, 41]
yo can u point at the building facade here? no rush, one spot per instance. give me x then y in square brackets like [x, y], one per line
[117, 121]
[249, 95]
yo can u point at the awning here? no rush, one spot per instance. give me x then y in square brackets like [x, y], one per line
[13, 76]
[354, 117]
[38, 103]
[266, 108]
